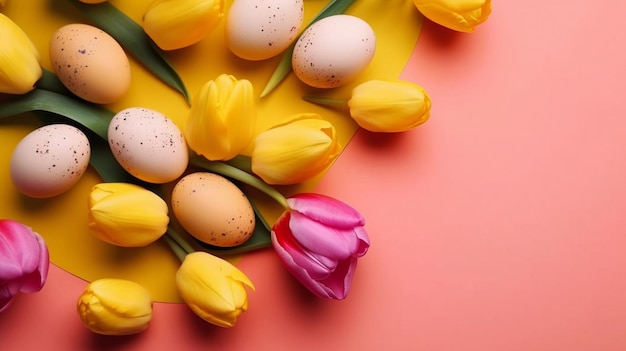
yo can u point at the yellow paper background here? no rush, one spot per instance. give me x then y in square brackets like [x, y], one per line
[63, 220]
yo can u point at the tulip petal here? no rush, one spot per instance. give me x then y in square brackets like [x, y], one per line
[296, 151]
[338, 284]
[317, 266]
[314, 236]
[364, 241]
[213, 288]
[21, 251]
[301, 274]
[326, 210]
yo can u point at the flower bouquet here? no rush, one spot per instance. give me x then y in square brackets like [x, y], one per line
[193, 183]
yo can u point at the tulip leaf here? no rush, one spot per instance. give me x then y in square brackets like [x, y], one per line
[132, 37]
[92, 117]
[334, 7]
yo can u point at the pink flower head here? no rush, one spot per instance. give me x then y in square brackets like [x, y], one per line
[319, 241]
[24, 261]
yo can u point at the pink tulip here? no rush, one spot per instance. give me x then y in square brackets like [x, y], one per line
[319, 240]
[24, 261]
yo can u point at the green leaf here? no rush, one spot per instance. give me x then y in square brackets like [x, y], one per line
[132, 37]
[334, 7]
[92, 117]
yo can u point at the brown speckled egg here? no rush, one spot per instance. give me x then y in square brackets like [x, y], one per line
[49, 160]
[213, 209]
[260, 29]
[90, 63]
[333, 51]
[148, 145]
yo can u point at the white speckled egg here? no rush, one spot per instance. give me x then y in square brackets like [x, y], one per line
[333, 51]
[90, 63]
[148, 145]
[213, 209]
[260, 29]
[49, 160]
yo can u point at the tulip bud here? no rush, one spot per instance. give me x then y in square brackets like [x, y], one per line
[19, 59]
[319, 240]
[213, 288]
[459, 15]
[24, 261]
[222, 118]
[296, 151]
[389, 106]
[115, 307]
[175, 24]
[126, 214]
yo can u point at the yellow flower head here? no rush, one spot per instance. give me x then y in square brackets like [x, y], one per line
[389, 106]
[295, 151]
[222, 118]
[19, 59]
[213, 288]
[126, 214]
[175, 24]
[459, 15]
[115, 307]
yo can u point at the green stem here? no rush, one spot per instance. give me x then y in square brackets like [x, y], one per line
[180, 241]
[244, 177]
[178, 251]
[326, 101]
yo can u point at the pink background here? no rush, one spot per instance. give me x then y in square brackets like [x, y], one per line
[497, 225]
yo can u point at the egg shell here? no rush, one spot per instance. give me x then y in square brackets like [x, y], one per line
[213, 209]
[333, 51]
[90, 63]
[261, 29]
[148, 145]
[50, 160]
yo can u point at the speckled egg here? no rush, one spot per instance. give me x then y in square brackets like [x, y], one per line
[213, 209]
[333, 51]
[260, 29]
[148, 145]
[49, 160]
[90, 63]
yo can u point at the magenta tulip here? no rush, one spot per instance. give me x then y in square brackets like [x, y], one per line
[319, 240]
[24, 261]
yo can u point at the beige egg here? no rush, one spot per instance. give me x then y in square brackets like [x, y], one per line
[213, 209]
[148, 145]
[333, 51]
[90, 63]
[49, 160]
[260, 29]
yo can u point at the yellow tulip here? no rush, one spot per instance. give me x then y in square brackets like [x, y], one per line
[459, 15]
[115, 307]
[175, 24]
[389, 106]
[126, 214]
[19, 59]
[213, 288]
[222, 118]
[296, 151]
